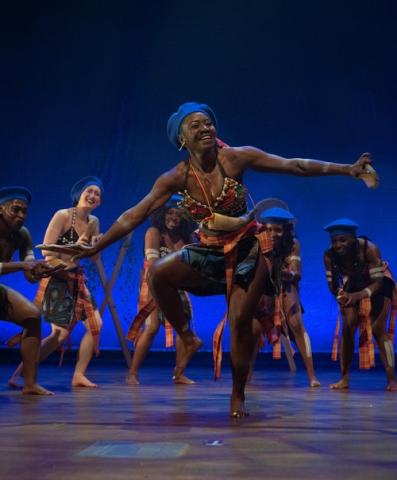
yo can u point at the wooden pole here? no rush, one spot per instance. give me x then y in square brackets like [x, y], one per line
[108, 299]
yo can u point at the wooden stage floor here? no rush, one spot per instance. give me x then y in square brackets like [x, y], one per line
[160, 431]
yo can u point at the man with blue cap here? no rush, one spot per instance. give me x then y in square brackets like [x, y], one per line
[231, 257]
[14, 307]
[363, 287]
[287, 270]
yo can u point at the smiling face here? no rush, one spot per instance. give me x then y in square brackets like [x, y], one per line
[276, 232]
[172, 218]
[198, 132]
[90, 197]
[342, 244]
[14, 213]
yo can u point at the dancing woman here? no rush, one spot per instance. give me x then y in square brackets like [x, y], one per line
[232, 257]
[169, 232]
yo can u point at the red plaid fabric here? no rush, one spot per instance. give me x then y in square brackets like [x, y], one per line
[147, 305]
[366, 344]
[335, 344]
[277, 324]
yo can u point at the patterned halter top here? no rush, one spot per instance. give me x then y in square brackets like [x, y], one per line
[231, 201]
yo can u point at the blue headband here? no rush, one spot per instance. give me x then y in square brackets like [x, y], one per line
[174, 201]
[342, 226]
[175, 121]
[276, 215]
[79, 187]
[15, 193]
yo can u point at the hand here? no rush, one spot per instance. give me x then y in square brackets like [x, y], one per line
[348, 299]
[34, 266]
[95, 238]
[359, 168]
[83, 240]
[82, 250]
[37, 269]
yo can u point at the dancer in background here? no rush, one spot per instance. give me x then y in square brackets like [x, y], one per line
[363, 288]
[169, 232]
[64, 298]
[287, 271]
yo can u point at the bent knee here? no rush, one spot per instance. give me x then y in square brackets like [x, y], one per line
[296, 325]
[61, 334]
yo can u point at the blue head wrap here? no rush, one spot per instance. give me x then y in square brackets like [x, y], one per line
[79, 187]
[342, 226]
[173, 202]
[276, 215]
[15, 193]
[175, 121]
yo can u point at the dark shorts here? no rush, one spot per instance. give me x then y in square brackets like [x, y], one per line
[385, 291]
[5, 305]
[210, 263]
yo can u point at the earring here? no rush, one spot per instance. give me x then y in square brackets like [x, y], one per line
[182, 145]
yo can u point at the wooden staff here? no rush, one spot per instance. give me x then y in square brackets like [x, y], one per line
[108, 299]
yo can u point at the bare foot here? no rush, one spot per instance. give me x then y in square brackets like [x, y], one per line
[82, 381]
[189, 350]
[343, 384]
[182, 380]
[131, 379]
[35, 390]
[237, 407]
[314, 383]
[392, 386]
[14, 383]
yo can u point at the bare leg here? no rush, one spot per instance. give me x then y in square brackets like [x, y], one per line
[48, 345]
[379, 316]
[24, 313]
[291, 305]
[166, 276]
[142, 347]
[180, 354]
[85, 354]
[256, 331]
[350, 320]
[242, 306]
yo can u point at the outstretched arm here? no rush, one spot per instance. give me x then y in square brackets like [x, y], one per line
[162, 190]
[250, 157]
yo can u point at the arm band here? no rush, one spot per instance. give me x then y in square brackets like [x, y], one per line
[151, 254]
[368, 292]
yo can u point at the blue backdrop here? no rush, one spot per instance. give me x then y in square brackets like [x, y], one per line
[87, 88]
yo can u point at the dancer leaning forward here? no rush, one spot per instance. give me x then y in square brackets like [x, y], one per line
[233, 253]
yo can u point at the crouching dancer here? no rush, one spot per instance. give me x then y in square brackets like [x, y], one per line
[355, 275]
[14, 307]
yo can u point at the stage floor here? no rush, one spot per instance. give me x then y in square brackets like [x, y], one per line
[158, 430]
